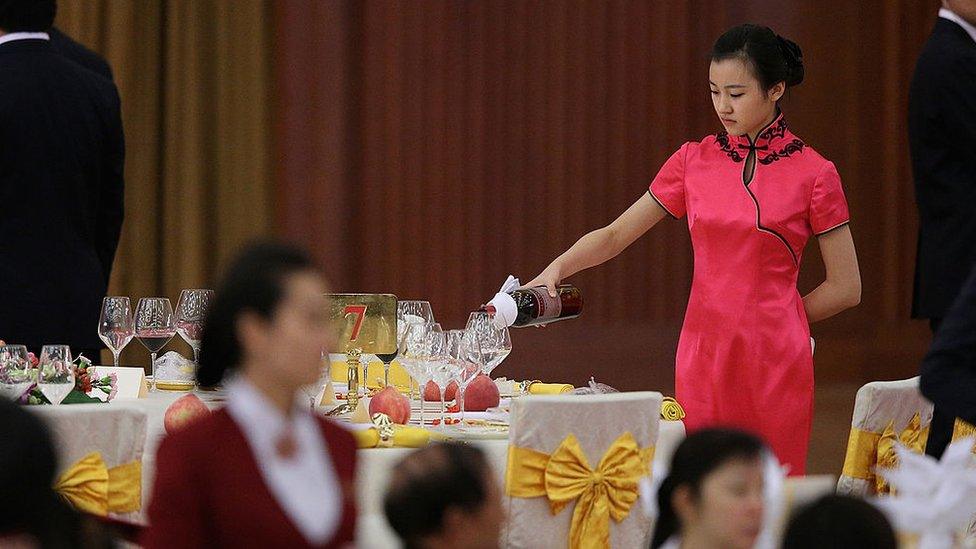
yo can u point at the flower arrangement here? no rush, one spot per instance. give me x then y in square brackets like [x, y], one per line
[85, 383]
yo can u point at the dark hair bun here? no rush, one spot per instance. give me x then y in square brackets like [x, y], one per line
[794, 60]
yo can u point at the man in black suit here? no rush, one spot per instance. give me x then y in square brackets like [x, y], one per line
[949, 372]
[66, 46]
[942, 135]
[61, 185]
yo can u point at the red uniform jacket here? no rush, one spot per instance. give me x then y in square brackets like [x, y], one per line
[209, 491]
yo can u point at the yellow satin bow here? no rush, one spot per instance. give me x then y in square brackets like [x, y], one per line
[671, 410]
[565, 476]
[913, 437]
[91, 487]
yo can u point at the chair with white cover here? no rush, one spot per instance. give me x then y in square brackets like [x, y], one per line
[885, 413]
[573, 469]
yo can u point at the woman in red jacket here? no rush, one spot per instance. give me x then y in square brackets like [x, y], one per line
[263, 471]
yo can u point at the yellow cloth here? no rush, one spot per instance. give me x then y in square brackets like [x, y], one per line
[867, 450]
[539, 388]
[671, 410]
[404, 436]
[961, 429]
[565, 476]
[93, 488]
[374, 376]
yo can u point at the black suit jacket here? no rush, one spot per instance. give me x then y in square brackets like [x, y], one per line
[66, 46]
[61, 187]
[942, 135]
[948, 376]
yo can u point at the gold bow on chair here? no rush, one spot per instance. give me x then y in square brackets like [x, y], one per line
[913, 437]
[565, 476]
[91, 487]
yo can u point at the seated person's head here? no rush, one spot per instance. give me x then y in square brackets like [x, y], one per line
[444, 495]
[839, 522]
[27, 15]
[713, 494]
[30, 509]
[269, 318]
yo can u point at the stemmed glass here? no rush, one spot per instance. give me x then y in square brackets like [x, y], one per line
[443, 364]
[413, 356]
[55, 374]
[469, 364]
[115, 325]
[154, 327]
[496, 343]
[409, 313]
[191, 313]
[15, 371]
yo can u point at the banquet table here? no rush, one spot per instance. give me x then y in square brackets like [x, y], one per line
[127, 430]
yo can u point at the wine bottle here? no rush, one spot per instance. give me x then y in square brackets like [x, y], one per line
[535, 307]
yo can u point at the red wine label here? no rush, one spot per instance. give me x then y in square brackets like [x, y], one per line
[549, 307]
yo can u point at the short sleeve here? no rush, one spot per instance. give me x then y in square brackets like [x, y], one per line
[828, 205]
[668, 186]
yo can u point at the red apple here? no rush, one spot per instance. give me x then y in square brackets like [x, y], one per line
[389, 401]
[186, 410]
[432, 392]
[481, 394]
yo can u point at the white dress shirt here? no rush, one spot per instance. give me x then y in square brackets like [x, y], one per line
[304, 484]
[10, 37]
[951, 16]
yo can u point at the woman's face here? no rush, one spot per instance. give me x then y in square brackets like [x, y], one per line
[291, 343]
[739, 100]
[729, 509]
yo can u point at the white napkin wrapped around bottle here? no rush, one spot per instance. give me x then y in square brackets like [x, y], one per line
[506, 310]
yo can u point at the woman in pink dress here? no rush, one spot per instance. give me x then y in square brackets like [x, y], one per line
[753, 195]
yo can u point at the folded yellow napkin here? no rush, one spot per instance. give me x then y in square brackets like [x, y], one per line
[404, 436]
[539, 388]
[671, 410]
[373, 377]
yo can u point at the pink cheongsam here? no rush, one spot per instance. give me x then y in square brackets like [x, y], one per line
[744, 358]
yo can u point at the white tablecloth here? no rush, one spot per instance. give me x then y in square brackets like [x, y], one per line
[125, 430]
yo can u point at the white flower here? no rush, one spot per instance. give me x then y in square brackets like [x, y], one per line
[934, 499]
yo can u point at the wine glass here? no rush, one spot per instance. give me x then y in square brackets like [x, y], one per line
[154, 327]
[496, 343]
[408, 312]
[469, 364]
[115, 325]
[420, 310]
[191, 313]
[55, 373]
[443, 365]
[16, 374]
[412, 357]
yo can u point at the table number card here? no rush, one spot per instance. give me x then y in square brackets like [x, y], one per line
[130, 380]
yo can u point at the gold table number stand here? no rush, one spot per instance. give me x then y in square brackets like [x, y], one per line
[364, 324]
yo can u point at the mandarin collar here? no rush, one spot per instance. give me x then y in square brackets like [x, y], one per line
[767, 139]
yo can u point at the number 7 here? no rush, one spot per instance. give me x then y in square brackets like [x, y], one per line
[360, 312]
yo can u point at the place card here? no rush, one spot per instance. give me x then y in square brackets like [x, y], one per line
[130, 380]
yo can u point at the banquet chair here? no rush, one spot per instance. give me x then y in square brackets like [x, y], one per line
[885, 412]
[571, 456]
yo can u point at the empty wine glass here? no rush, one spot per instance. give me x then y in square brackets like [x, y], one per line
[496, 343]
[419, 310]
[55, 374]
[191, 314]
[154, 327]
[115, 325]
[469, 364]
[16, 374]
[409, 312]
[443, 365]
[413, 359]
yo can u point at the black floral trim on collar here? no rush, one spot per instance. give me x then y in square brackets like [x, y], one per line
[793, 147]
[774, 131]
[722, 140]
